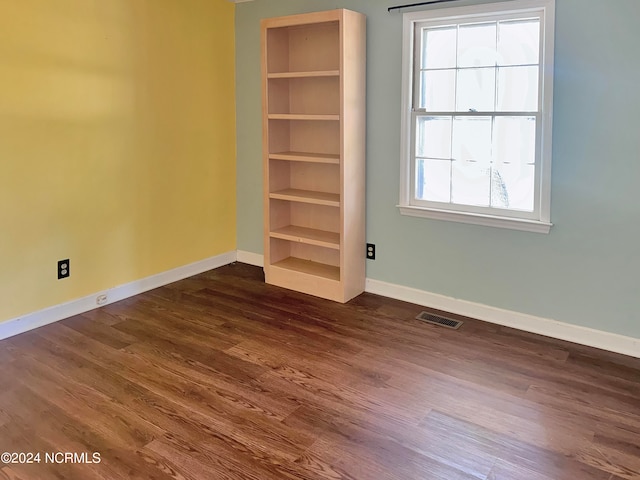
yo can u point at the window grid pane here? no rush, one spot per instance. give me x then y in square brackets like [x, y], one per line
[519, 42]
[433, 180]
[470, 184]
[438, 90]
[477, 45]
[476, 90]
[517, 89]
[433, 137]
[439, 47]
[472, 139]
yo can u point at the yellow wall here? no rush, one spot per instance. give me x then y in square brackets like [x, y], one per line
[117, 143]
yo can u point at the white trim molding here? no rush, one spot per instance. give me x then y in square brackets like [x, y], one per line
[520, 321]
[521, 224]
[611, 342]
[250, 258]
[507, 318]
[56, 313]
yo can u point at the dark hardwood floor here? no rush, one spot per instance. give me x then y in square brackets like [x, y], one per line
[223, 377]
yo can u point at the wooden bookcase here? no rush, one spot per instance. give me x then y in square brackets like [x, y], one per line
[313, 104]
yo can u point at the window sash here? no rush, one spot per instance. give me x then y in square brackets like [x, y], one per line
[418, 48]
[487, 210]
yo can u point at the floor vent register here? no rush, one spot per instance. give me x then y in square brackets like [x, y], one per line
[438, 320]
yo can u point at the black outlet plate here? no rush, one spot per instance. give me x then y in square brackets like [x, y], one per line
[371, 251]
[63, 269]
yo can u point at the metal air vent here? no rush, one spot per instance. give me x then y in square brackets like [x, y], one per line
[438, 320]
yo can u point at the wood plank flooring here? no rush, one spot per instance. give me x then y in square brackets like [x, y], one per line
[223, 377]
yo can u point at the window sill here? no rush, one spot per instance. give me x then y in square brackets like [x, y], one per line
[534, 226]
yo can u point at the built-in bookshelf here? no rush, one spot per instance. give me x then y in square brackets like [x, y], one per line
[313, 76]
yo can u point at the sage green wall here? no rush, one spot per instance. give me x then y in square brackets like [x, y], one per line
[587, 270]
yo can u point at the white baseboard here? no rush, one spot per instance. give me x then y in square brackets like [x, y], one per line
[521, 321]
[75, 307]
[251, 258]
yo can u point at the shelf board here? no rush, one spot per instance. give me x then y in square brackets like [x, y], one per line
[301, 116]
[317, 73]
[307, 196]
[310, 236]
[310, 268]
[306, 157]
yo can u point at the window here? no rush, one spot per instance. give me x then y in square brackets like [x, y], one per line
[476, 122]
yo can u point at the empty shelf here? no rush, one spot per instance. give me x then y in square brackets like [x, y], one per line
[311, 268]
[309, 236]
[317, 73]
[307, 196]
[302, 116]
[306, 157]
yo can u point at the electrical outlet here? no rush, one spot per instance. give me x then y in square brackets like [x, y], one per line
[63, 269]
[101, 299]
[371, 251]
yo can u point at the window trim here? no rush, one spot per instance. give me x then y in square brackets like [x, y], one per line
[541, 224]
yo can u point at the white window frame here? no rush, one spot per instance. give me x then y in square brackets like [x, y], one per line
[541, 222]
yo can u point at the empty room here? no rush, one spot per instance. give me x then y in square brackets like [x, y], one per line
[310, 239]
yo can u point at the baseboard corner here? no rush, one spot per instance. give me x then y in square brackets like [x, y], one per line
[250, 258]
[40, 318]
